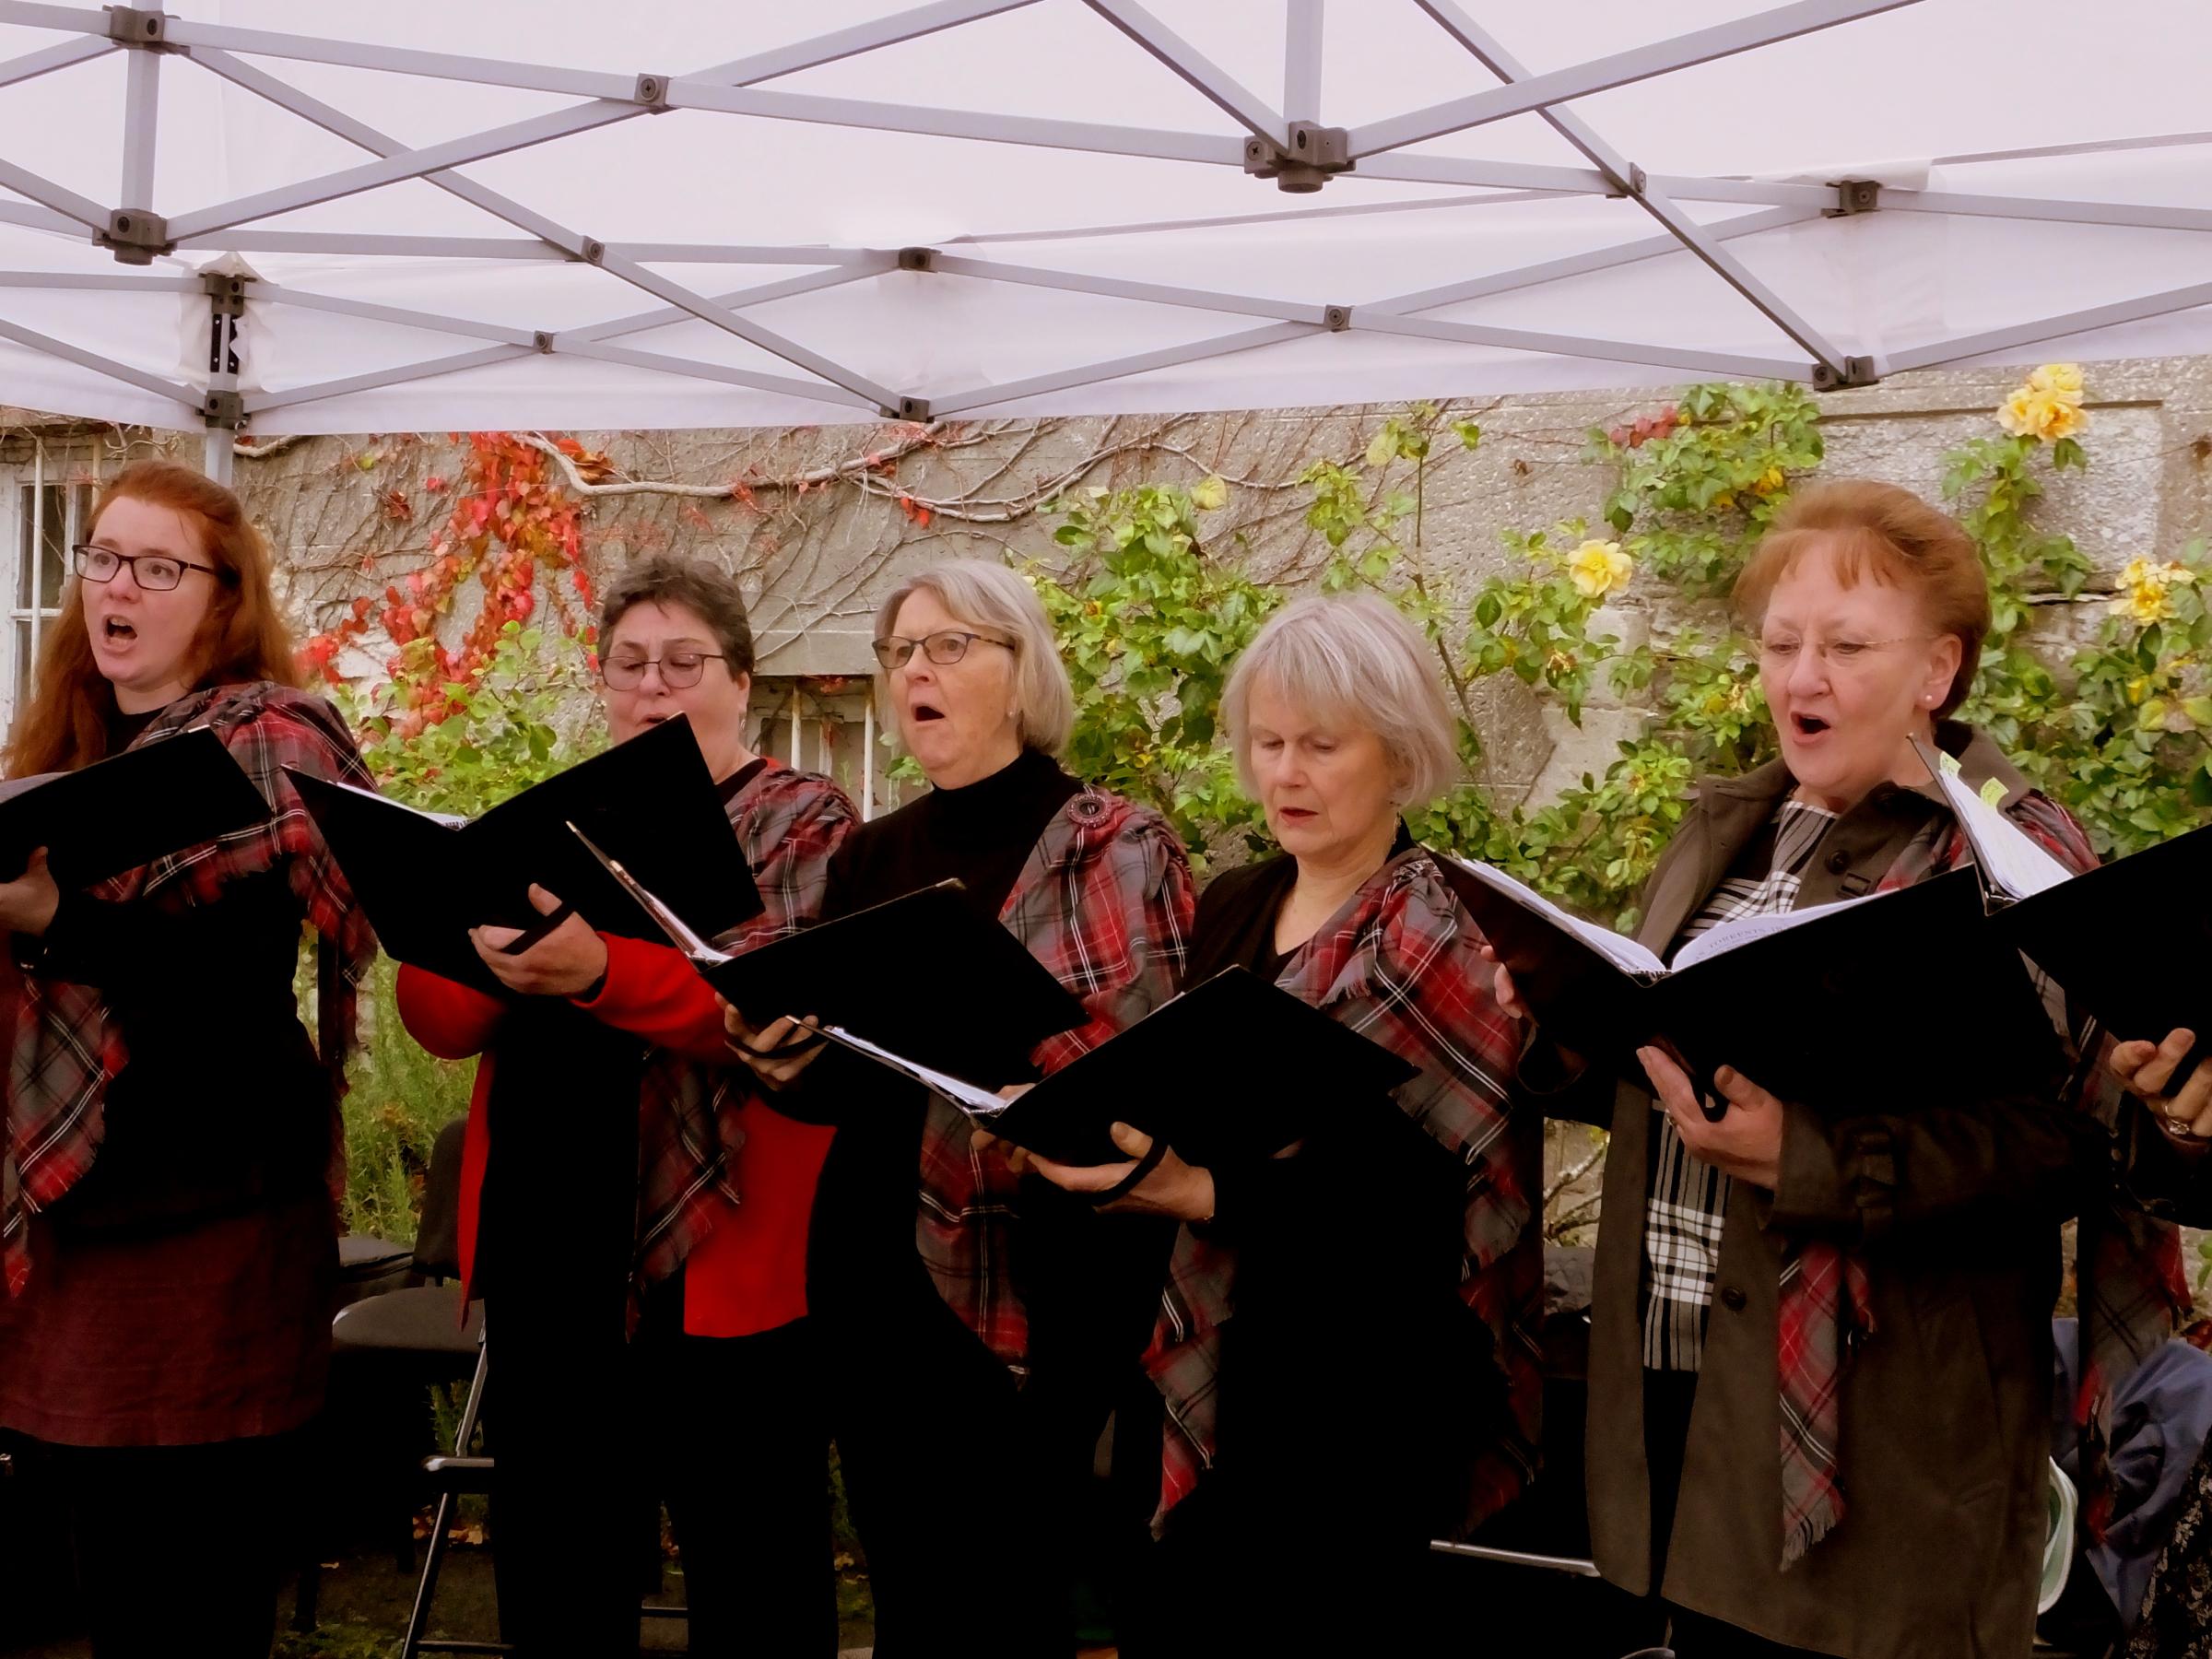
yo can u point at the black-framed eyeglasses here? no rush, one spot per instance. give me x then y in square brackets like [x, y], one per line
[678, 669]
[943, 648]
[156, 572]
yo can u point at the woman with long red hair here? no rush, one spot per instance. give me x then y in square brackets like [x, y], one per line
[166, 1199]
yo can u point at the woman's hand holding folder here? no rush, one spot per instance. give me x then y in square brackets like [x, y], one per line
[1147, 1185]
[2145, 1070]
[1745, 1141]
[567, 961]
[27, 903]
[775, 1053]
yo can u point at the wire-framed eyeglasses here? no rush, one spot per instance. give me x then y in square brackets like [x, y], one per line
[943, 648]
[679, 669]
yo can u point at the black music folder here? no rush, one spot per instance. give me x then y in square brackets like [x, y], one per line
[126, 810]
[1847, 1007]
[1233, 1070]
[426, 878]
[2128, 941]
[927, 976]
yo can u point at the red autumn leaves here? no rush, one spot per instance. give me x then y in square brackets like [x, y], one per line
[509, 518]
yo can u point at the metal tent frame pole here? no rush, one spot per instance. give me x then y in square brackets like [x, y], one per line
[1287, 144]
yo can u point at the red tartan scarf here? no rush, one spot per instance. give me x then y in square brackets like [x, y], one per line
[1104, 901]
[64, 1048]
[788, 824]
[1402, 964]
[2129, 1276]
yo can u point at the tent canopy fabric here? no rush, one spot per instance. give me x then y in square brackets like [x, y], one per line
[695, 213]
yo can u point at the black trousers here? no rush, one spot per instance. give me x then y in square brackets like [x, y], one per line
[176, 1548]
[572, 1517]
[937, 1451]
[1667, 1399]
[740, 1443]
[571, 1511]
[1091, 1283]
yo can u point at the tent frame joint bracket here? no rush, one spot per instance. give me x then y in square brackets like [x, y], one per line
[651, 92]
[1857, 371]
[541, 342]
[1315, 155]
[906, 408]
[223, 409]
[1853, 196]
[146, 28]
[226, 295]
[593, 250]
[134, 236]
[917, 259]
[1335, 318]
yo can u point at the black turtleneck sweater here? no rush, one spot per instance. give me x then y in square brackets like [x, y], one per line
[980, 834]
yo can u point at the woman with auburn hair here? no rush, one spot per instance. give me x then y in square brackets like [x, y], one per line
[1820, 1351]
[166, 1180]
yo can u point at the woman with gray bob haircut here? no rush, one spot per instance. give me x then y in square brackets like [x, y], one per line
[1387, 1269]
[1353, 657]
[938, 1277]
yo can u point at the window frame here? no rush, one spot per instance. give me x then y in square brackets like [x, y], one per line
[22, 524]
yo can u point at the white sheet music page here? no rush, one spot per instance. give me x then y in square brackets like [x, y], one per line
[975, 1102]
[2003, 849]
[1624, 952]
[679, 933]
[1734, 935]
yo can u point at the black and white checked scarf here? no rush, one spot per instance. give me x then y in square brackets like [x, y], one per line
[1688, 1200]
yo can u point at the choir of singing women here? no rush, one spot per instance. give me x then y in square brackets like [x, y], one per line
[710, 1244]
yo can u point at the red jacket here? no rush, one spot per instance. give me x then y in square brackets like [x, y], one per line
[748, 1275]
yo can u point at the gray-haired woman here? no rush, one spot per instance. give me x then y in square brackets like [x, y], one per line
[1385, 1274]
[938, 1278]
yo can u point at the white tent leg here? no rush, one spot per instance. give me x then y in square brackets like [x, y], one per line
[1301, 61]
[141, 106]
[221, 458]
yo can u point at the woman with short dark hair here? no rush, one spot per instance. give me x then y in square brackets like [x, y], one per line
[167, 1170]
[607, 1115]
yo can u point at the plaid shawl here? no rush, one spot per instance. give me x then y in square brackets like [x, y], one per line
[2128, 1268]
[64, 1048]
[789, 823]
[1104, 902]
[1402, 964]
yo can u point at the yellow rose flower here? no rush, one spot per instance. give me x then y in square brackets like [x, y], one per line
[1597, 568]
[2143, 604]
[2136, 572]
[2063, 380]
[2045, 408]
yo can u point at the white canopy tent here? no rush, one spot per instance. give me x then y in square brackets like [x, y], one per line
[695, 213]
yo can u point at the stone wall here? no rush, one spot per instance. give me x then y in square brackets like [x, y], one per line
[817, 534]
